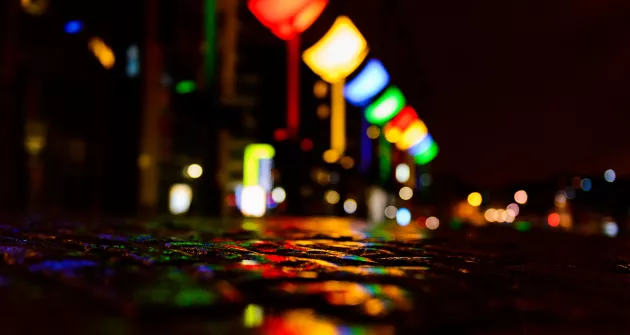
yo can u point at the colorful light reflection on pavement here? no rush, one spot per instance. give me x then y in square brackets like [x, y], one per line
[306, 276]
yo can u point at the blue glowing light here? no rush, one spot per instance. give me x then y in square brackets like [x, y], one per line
[586, 184]
[422, 146]
[73, 27]
[133, 62]
[403, 216]
[610, 175]
[367, 84]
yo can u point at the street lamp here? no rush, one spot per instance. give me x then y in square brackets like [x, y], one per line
[287, 19]
[334, 57]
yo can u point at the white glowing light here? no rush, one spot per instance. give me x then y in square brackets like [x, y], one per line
[403, 216]
[403, 173]
[350, 206]
[279, 195]
[179, 199]
[253, 201]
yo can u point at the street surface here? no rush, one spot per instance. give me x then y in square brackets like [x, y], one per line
[308, 276]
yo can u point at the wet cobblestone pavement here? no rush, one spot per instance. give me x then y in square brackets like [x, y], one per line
[315, 276]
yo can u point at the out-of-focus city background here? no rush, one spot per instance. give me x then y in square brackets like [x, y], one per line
[125, 108]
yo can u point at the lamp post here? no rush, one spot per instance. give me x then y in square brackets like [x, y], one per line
[287, 19]
[334, 57]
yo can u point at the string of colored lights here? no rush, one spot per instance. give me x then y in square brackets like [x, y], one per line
[338, 55]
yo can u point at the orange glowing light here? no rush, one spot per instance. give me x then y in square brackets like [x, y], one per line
[287, 18]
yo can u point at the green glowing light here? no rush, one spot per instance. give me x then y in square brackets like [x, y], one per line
[456, 224]
[427, 156]
[385, 107]
[185, 87]
[253, 154]
[523, 226]
[385, 162]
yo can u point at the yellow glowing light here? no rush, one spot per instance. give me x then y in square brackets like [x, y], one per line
[392, 135]
[253, 201]
[338, 118]
[253, 316]
[331, 156]
[254, 153]
[179, 199]
[347, 163]
[475, 199]
[373, 132]
[405, 193]
[320, 89]
[34, 7]
[144, 161]
[520, 197]
[338, 53]
[194, 171]
[412, 135]
[332, 197]
[103, 53]
[323, 111]
[34, 144]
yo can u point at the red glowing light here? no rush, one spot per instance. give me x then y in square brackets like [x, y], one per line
[553, 219]
[404, 119]
[280, 135]
[306, 145]
[287, 18]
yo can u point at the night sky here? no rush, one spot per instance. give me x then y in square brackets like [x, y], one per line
[511, 90]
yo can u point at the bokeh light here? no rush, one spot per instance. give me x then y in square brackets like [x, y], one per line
[586, 184]
[390, 212]
[350, 206]
[373, 132]
[306, 145]
[194, 171]
[426, 179]
[332, 197]
[490, 215]
[560, 199]
[405, 193]
[347, 163]
[278, 195]
[475, 199]
[180, 198]
[403, 216]
[520, 197]
[513, 210]
[331, 156]
[403, 173]
[611, 229]
[610, 175]
[320, 89]
[553, 219]
[432, 223]
[323, 111]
